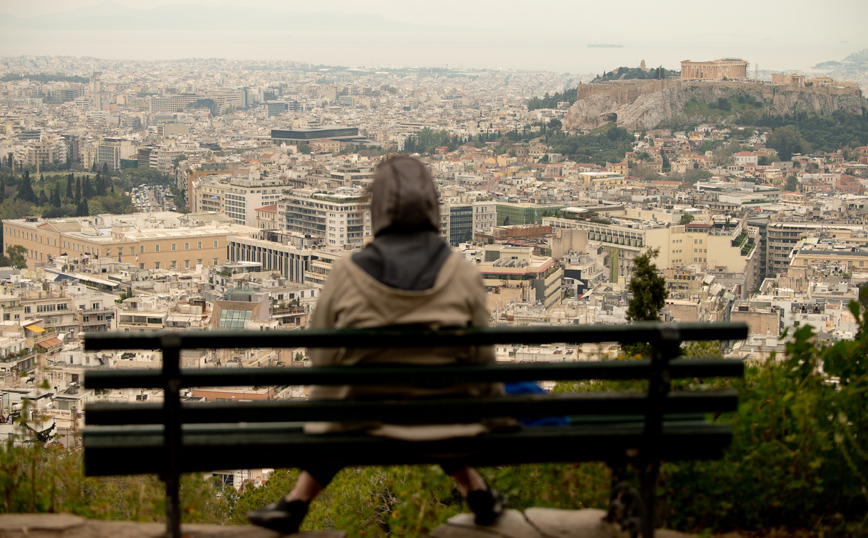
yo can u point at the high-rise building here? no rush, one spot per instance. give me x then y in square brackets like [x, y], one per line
[111, 150]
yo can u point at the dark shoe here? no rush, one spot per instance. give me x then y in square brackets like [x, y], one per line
[486, 504]
[282, 516]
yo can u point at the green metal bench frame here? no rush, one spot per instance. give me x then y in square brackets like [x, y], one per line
[618, 428]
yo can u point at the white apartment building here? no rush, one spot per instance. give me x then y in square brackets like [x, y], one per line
[340, 219]
[484, 216]
[111, 150]
[242, 197]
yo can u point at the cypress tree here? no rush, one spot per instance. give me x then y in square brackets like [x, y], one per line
[82, 210]
[55, 195]
[70, 179]
[87, 189]
[2, 188]
[648, 288]
[77, 197]
[43, 198]
[25, 192]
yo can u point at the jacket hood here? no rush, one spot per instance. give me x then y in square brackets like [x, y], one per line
[403, 198]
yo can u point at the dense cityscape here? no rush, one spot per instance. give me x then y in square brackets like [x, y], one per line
[217, 194]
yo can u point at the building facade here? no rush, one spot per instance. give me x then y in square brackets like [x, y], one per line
[150, 240]
[340, 219]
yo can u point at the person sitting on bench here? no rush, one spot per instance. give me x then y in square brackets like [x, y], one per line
[407, 276]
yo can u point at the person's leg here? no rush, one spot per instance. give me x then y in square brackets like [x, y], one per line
[287, 514]
[311, 482]
[485, 503]
[467, 479]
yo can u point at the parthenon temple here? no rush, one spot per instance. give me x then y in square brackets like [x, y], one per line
[729, 68]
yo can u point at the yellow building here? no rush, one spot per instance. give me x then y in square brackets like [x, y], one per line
[163, 240]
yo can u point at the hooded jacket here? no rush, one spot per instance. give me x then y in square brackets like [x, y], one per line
[406, 276]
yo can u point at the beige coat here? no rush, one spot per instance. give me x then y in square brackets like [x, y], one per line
[353, 299]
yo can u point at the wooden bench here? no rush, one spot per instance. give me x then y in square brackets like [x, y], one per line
[619, 428]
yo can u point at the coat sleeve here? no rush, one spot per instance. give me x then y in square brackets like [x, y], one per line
[324, 318]
[479, 314]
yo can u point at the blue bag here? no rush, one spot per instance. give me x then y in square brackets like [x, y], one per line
[529, 387]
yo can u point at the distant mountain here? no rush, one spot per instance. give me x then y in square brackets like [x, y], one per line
[853, 68]
[860, 57]
[185, 17]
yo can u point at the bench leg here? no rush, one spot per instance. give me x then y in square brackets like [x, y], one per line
[173, 507]
[172, 475]
[649, 483]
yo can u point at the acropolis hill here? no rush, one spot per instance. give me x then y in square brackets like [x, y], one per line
[649, 104]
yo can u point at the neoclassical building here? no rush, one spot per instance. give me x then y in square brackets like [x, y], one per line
[729, 68]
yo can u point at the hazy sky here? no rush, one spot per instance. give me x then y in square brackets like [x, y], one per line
[552, 35]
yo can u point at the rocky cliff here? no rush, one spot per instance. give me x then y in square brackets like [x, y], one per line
[638, 105]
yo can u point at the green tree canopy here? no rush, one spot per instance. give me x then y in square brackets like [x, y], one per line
[648, 288]
[788, 140]
[14, 257]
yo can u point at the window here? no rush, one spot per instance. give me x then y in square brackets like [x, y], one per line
[141, 266]
[156, 265]
[132, 250]
[199, 244]
[174, 264]
[216, 262]
[199, 261]
[141, 249]
[186, 264]
[173, 247]
[157, 247]
[215, 244]
[186, 246]
[108, 252]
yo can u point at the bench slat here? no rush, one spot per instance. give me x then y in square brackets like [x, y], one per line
[417, 376]
[136, 450]
[415, 411]
[416, 338]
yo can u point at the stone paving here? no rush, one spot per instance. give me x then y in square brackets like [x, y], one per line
[533, 523]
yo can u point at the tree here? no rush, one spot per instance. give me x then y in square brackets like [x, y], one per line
[55, 195]
[14, 257]
[788, 140]
[792, 184]
[25, 192]
[82, 210]
[2, 188]
[105, 168]
[43, 198]
[648, 289]
[304, 148]
[70, 179]
[685, 219]
[649, 292]
[77, 197]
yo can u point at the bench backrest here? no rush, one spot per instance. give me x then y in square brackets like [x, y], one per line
[660, 370]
